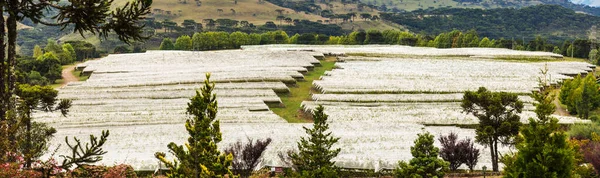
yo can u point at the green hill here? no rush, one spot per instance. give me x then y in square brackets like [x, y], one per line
[410, 5]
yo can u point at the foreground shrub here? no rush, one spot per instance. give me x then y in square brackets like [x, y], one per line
[458, 152]
[425, 162]
[246, 157]
[315, 155]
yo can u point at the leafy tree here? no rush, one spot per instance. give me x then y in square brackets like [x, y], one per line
[544, 150]
[315, 152]
[83, 49]
[68, 53]
[50, 66]
[51, 46]
[200, 157]
[374, 37]
[486, 43]
[556, 50]
[246, 157]
[37, 51]
[425, 162]
[183, 43]
[498, 119]
[238, 39]
[166, 44]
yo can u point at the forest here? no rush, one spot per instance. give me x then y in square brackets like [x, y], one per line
[551, 21]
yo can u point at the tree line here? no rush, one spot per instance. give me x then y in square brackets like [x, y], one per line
[580, 48]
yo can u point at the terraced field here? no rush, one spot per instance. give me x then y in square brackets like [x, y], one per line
[377, 105]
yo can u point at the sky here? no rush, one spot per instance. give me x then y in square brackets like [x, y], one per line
[595, 3]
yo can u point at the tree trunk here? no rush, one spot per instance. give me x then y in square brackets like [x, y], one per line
[4, 90]
[492, 153]
[495, 161]
[11, 25]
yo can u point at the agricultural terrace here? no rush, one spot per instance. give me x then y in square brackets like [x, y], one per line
[378, 97]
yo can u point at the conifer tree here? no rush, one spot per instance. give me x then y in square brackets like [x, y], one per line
[199, 157]
[315, 152]
[499, 121]
[425, 162]
[544, 150]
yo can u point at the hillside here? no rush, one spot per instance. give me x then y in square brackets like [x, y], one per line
[551, 21]
[410, 5]
[245, 10]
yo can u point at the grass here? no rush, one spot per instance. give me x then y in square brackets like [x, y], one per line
[248, 10]
[292, 112]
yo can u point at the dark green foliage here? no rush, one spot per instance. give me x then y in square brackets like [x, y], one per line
[38, 72]
[167, 44]
[83, 50]
[543, 150]
[374, 37]
[199, 157]
[499, 121]
[425, 162]
[581, 95]
[544, 20]
[121, 50]
[316, 152]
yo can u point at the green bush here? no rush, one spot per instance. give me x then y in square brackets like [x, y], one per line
[584, 130]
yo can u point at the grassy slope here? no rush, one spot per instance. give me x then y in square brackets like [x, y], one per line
[291, 111]
[368, 25]
[248, 10]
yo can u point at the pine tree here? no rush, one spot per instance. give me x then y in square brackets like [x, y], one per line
[200, 157]
[425, 162]
[498, 119]
[544, 150]
[94, 16]
[315, 152]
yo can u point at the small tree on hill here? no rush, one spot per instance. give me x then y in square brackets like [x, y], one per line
[425, 162]
[315, 152]
[200, 157]
[498, 119]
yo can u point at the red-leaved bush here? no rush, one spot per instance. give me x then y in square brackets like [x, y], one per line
[591, 154]
[15, 169]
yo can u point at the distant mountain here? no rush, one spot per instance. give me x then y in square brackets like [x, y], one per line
[593, 3]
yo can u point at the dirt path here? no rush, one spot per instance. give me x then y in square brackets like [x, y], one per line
[560, 110]
[67, 75]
